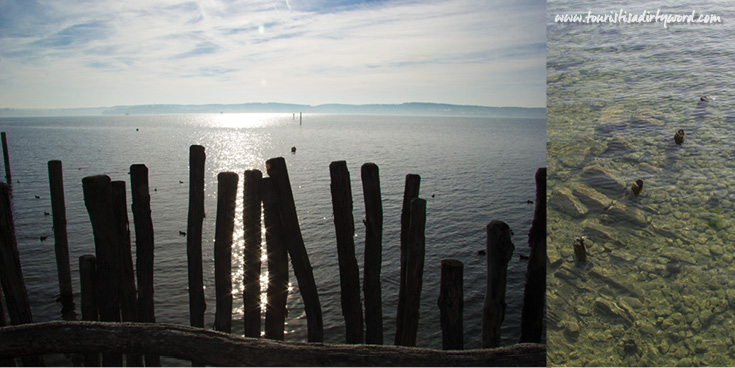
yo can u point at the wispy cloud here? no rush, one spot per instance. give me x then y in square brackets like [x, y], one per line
[313, 51]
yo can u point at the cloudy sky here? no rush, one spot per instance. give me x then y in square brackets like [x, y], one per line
[89, 53]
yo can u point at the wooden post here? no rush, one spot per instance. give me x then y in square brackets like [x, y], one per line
[11, 274]
[275, 311]
[373, 254]
[225, 225]
[451, 304]
[197, 305]
[88, 280]
[251, 195]
[410, 192]
[61, 243]
[499, 250]
[99, 202]
[349, 273]
[144, 248]
[128, 294]
[7, 159]
[534, 293]
[276, 168]
[415, 250]
[4, 362]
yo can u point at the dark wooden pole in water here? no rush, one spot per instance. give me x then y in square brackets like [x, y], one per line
[534, 294]
[128, 294]
[451, 304]
[88, 280]
[98, 200]
[61, 243]
[197, 305]
[251, 194]
[6, 362]
[275, 310]
[144, 248]
[11, 274]
[499, 250]
[373, 254]
[415, 250]
[410, 192]
[294, 241]
[225, 225]
[7, 159]
[349, 272]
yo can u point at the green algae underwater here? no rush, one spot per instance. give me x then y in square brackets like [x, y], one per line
[658, 286]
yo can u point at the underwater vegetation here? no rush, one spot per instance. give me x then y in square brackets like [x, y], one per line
[642, 174]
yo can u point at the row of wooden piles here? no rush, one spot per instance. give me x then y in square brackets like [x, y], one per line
[108, 279]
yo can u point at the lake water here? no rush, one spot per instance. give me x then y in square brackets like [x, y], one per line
[658, 286]
[473, 171]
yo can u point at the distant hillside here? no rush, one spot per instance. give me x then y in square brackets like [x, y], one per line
[412, 108]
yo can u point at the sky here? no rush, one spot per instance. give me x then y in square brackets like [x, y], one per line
[99, 53]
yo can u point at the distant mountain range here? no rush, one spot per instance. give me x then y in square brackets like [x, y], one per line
[411, 108]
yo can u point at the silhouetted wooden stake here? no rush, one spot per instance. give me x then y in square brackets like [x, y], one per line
[88, 280]
[99, 203]
[11, 275]
[7, 362]
[251, 216]
[499, 250]
[197, 305]
[144, 248]
[294, 241]
[128, 294]
[349, 272]
[373, 254]
[275, 310]
[415, 250]
[410, 192]
[225, 225]
[451, 304]
[7, 159]
[534, 293]
[61, 244]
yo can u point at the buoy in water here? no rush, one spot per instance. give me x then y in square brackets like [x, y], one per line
[293, 149]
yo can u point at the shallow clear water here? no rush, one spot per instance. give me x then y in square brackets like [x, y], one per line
[473, 170]
[658, 285]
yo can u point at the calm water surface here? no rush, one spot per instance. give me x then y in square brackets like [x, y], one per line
[473, 170]
[659, 286]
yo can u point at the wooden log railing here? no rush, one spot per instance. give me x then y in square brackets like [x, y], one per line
[220, 349]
